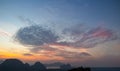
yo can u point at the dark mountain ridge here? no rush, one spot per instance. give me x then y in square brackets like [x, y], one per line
[17, 65]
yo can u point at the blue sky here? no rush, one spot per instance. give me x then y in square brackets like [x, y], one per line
[72, 20]
[86, 11]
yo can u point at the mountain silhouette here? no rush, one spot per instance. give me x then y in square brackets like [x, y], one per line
[27, 67]
[12, 65]
[38, 67]
[66, 67]
[17, 65]
[55, 64]
[1, 61]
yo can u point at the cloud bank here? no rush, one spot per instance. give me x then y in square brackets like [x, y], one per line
[78, 36]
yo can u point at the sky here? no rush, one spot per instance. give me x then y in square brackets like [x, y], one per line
[79, 32]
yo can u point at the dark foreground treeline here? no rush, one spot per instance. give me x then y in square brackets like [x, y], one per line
[17, 65]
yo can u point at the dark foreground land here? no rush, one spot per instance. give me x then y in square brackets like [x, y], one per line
[17, 65]
[106, 69]
[95, 69]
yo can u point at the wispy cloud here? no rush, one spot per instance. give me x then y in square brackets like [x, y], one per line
[27, 54]
[4, 33]
[88, 38]
[73, 55]
[26, 20]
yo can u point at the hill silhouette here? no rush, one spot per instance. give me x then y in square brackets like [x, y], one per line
[12, 65]
[17, 65]
[38, 67]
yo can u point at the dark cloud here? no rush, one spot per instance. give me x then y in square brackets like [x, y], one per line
[35, 35]
[27, 54]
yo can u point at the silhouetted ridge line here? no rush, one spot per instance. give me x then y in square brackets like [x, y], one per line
[17, 65]
[38, 67]
[12, 65]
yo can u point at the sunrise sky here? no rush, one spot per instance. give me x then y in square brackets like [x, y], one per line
[80, 32]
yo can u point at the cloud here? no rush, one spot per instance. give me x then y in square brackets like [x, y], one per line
[88, 38]
[27, 54]
[45, 47]
[4, 33]
[26, 20]
[78, 36]
[57, 51]
[73, 55]
[35, 35]
[64, 54]
[85, 54]
[74, 30]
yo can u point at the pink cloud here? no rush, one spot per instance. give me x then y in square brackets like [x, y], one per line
[4, 33]
[102, 32]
